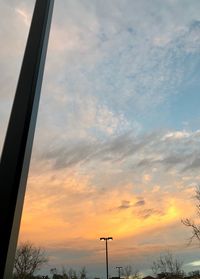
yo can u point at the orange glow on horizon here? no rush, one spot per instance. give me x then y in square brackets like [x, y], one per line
[75, 210]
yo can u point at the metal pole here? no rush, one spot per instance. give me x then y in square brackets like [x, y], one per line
[119, 269]
[107, 258]
[17, 148]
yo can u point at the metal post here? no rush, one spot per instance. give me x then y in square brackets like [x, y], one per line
[119, 270]
[106, 239]
[17, 148]
[107, 258]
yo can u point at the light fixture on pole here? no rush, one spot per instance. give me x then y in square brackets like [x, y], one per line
[119, 269]
[106, 239]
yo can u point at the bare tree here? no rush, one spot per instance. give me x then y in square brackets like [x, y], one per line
[190, 223]
[64, 273]
[68, 274]
[72, 274]
[168, 266]
[128, 271]
[53, 271]
[194, 274]
[28, 259]
[83, 273]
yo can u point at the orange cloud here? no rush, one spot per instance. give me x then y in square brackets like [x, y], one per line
[66, 206]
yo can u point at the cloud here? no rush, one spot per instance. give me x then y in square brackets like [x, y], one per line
[124, 205]
[195, 164]
[103, 74]
[96, 72]
[194, 263]
[150, 150]
[116, 149]
[67, 212]
[140, 203]
[146, 213]
[70, 202]
[98, 166]
[24, 15]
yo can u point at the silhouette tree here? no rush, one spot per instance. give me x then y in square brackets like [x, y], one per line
[83, 273]
[167, 266]
[190, 223]
[56, 275]
[28, 259]
[70, 274]
[194, 273]
[53, 271]
[129, 271]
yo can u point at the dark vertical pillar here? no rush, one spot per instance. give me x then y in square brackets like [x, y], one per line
[16, 152]
[107, 258]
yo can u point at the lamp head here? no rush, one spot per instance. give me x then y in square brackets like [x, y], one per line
[102, 238]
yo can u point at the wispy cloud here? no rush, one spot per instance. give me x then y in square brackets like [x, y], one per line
[24, 15]
[168, 150]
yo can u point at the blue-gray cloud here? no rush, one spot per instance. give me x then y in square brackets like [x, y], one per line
[167, 150]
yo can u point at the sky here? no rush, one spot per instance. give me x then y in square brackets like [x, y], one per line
[116, 149]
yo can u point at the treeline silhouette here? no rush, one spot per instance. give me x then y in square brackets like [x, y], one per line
[29, 260]
[68, 274]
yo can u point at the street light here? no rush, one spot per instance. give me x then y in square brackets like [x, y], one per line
[119, 268]
[106, 239]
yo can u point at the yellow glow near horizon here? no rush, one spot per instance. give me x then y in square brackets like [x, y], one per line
[62, 214]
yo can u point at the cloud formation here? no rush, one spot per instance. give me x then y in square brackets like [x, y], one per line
[167, 150]
[116, 150]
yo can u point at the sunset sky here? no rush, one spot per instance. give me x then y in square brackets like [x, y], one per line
[117, 143]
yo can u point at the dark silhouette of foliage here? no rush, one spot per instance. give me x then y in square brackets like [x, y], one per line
[128, 270]
[167, 266]
[28, 259]
[83, 273]
[194, 274]
[70, 274]
[190, 223]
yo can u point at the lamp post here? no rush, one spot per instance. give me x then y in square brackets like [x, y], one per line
[106, 239]
[119, 269]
